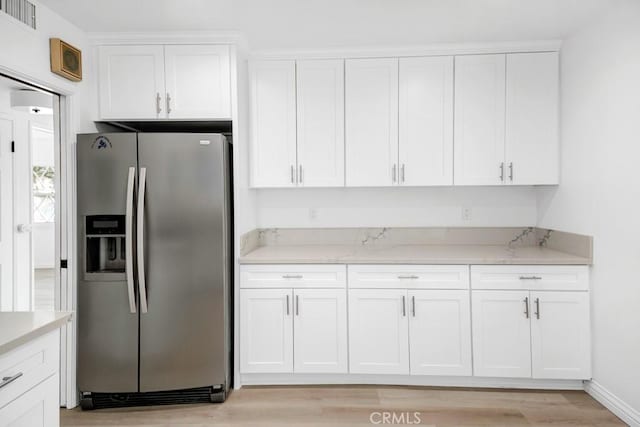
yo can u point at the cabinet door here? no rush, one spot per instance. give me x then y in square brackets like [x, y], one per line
[198, 82]
[426, 121]
[479, 120]
[266, 330]
[131, 82]
[320, 124]
[38, 407]
[440, 332]
[273, 124]
[501, 334]
[378, 331]
[532, 150]
[320, 332]
[371, 117]
[560, 335]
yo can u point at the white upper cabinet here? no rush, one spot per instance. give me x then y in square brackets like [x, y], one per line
[532, 118]
[131, 82]
[371, 116]
[273, 124]
[198, 84]
[426, 121]
[148, 82]
[320, 124]
[479, 130]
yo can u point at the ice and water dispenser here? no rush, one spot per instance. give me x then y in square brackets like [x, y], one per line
[105, 248]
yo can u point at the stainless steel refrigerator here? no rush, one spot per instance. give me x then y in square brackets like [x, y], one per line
[154, 268]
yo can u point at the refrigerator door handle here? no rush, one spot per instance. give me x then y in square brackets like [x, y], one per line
[129, 239]
[142, 286]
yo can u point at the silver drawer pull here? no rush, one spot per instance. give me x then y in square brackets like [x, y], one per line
[412, 277]
[292, 276]
[9, 380]
[530, 278]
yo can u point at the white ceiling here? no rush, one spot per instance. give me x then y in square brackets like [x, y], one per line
[337, 23]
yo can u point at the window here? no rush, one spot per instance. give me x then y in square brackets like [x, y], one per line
[44, 194]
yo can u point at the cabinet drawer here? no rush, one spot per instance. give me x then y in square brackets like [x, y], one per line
[293, 276]
[530, 277]
[409, 276]
[38, 407]
[30, 363]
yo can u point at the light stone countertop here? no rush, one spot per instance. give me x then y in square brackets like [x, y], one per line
[18, 328]
[410, 254]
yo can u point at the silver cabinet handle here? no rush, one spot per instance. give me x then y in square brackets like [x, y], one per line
[142, 286]
[287, 305]
[393, 173]
[297, 306]
[402, 173]
[413, 305]
[511, 171]
[411, 276]
[404, 306]
[537, 313]
[293, 175]
[502, 172]
[168, 103]
[300, 177]
[128, 227]
[292, 276]
[8, 380]
[526, 307]
[158, 100]
[530, 278]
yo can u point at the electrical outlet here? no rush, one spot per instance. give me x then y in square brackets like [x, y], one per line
[313, 213]
[466, 213]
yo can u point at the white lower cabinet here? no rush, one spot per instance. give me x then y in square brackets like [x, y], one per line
[38, 407]
[440, 332]
[378, 331]
[501, 335]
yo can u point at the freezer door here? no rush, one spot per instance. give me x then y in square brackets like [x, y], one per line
[183, 333]
[107, 329]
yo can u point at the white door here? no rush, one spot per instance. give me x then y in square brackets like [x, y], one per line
[320, 331]
[371, 120]
[131, 82]
[198, 82]
[426, 121]
[501, 334]
[6, 215]
[532, 149]
[378, 331]
[273, 124]
[320, 124]
[560, 335]
[440, 332]
[266, 330]
[479, 120]
[38, 407]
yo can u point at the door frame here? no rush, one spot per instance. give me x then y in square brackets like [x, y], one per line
[65, 295]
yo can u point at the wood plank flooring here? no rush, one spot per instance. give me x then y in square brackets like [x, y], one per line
[354, 405]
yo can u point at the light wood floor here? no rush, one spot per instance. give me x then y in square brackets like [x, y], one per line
[353, 406]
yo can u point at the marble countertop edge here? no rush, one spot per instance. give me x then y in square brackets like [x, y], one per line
[18, 328]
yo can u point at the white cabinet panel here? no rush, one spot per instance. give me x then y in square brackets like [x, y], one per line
[198, 82]
[532, 149]
[560, 335]
[409, 276]
[273, 124]
[440, 332]
[266, 330]
[426, 121]
[371, 120]
[378, 331]
[479, 130]
[501, 334]
[530, 277]
[293, 276]
[131, 82]
[320, 332]
[38, 407]
[320, 122]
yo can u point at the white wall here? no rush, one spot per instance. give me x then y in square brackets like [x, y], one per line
[397, 207]
[600, 191]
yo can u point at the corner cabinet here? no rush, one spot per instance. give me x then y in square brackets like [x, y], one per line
[149, 82]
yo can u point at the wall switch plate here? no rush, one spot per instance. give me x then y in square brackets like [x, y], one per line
[313, 213]
[466, 213]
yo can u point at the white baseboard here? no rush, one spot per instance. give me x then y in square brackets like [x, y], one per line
[410, 380]
[613, 403]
